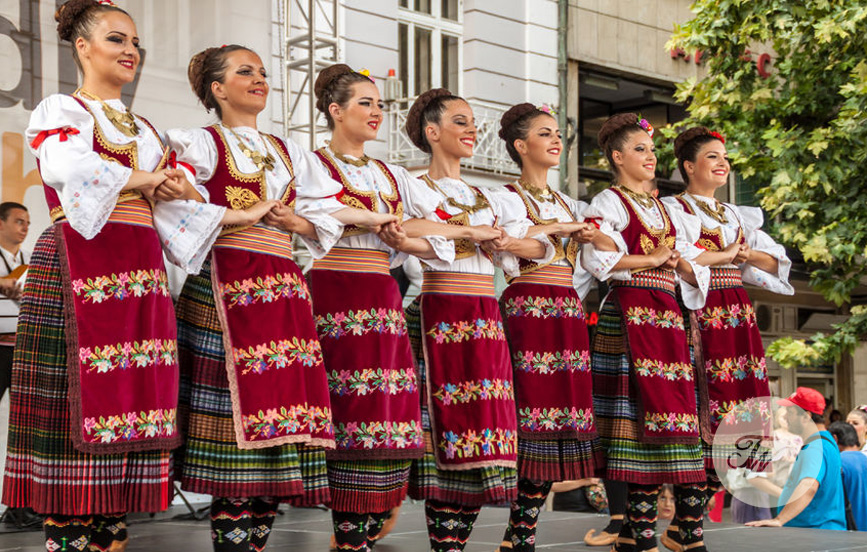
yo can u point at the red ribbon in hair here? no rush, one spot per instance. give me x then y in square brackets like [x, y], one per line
[64, 132]
[718, 136]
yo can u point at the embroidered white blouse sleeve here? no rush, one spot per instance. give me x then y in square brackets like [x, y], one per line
[87, 184]
[687, 228]
[419, 201]
[753, 218]
[511, 216]
[188, 228]
[582, 280]
[607, 211]
[316, 200]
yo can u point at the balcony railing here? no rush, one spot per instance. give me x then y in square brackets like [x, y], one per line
[489, 154]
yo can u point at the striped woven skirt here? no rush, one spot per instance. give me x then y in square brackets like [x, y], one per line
[474, 487]
[616, 415]
[210, 461]
[43, 470]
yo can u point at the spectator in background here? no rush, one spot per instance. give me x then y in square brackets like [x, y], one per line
[854, 471]
[14, 224]
[665, 503]
[858, 420]
[835, 416]
[813, 494]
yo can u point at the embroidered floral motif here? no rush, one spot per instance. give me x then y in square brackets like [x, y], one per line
[735, 411]
[549, 363]
[264, 290]
[545, 307]
[288, 421]
[361, 322]
[731, 369]
[555, 419]
[487, 442]
[136, 283]
[670, 371]
[669, 421]
[371, 435]
[261, 358]
[639, 316]
[727, 317]
[475, 390]
[132, 425]
[367, 381]
[136, 354]
[466, 331]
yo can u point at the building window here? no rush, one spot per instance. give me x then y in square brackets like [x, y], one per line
[429, 44]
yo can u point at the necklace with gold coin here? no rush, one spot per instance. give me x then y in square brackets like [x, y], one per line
[481, 200]
[124, 121]
[261, 161]
[544, 195]
[717, 212]
[359, 162]
[644, 199]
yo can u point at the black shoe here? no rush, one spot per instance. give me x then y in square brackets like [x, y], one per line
[22, 518]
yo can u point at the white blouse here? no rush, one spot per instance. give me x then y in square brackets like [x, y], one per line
[750, 220]
[553, 210]
[88, 185]
[314, 189]
[506, 209]
[419, 201]
[607, 206]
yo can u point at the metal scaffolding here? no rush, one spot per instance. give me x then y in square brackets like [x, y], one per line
[311, 42]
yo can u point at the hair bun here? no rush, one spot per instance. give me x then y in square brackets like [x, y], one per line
[414, 119]
[511, 116]
[68, 14]
[328, 75]
[686, 137]
[614, 124]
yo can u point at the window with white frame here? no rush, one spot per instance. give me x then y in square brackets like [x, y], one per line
[429, 43]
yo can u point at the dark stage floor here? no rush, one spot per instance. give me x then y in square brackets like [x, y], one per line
[308, 531]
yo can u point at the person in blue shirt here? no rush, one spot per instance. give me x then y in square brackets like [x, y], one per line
[854, 470]
[813, 494]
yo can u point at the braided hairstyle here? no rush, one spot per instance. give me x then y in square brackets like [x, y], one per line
[77, 18]
[687, 145]
[334, 85]
[207, 67]
[426, 109]
[515, 125]
[614, 134]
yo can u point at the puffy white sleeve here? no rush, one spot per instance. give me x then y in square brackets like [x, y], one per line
[752, 219]
[60, 135]
[582, 280]
[607, 211]
[511, 215]
[687, 228]
[316, 200]
[188, 228]
[419, 201]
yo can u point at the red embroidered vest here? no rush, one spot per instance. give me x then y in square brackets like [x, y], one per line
[360, 199]
[464, 247]
[711, 240]
[640, 238]
[229, 187]
[126, 155]
[570, 252]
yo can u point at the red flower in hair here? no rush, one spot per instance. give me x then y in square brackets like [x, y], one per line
[718, 136]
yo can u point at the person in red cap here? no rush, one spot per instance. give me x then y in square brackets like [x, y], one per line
[813, 495]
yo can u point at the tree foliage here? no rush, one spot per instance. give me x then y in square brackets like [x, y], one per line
[799, 133]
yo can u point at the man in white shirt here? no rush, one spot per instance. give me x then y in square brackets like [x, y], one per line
[14, 224]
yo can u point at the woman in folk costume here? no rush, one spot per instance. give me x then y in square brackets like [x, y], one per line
[548, 335]
[95, 376]
[252, 375]
[467, 397]
[643, 381]
[731, 358]
[371, 373]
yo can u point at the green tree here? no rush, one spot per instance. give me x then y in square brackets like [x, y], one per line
[799, 132]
